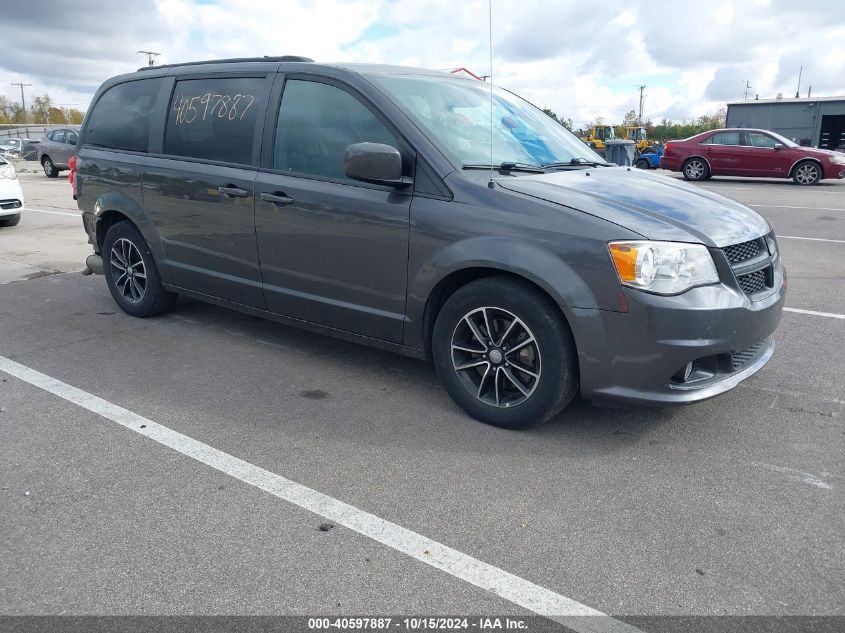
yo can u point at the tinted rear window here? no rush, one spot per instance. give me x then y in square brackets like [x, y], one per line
[214, 119]
[121, 118]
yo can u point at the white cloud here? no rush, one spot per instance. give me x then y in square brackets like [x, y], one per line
[580, 59]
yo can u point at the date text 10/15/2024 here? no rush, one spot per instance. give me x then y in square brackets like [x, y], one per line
[419, 623]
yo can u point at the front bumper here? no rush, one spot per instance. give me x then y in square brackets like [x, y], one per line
[639, 357]
[11, 197]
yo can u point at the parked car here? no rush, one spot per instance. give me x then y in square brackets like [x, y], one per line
[750, 152]
[11, 196]
[55, 150]
[361, 201]
[22, 149]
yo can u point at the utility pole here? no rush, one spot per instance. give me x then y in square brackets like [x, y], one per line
[798, 90]
[23, 101]
[747, 88]
[641, 104]
[151, 55]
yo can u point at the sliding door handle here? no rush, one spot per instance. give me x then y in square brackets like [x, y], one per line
[235, 192]
[278, 198]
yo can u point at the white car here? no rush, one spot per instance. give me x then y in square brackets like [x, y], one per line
[11, 196]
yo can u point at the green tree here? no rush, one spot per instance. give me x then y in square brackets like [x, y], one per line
[5, 109]
[551, 113]
[567, 123]
[56, 115]
[73, 115]
[630, 119]
[19, 115]
[40, 108]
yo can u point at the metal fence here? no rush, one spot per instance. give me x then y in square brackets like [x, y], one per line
[29, 130]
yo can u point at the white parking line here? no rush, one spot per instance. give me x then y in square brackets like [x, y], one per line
[811, 239]
[73, 215]
[726, 184]
[513, 588]
[786, 206]
[830, 315]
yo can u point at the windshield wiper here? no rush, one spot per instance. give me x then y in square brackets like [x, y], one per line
[510, 166]
[576, 162]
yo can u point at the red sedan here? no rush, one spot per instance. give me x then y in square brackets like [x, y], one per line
[747, 152]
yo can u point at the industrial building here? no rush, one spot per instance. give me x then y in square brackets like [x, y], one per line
[812, 122]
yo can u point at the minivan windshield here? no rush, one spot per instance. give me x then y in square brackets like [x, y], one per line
[456, 113]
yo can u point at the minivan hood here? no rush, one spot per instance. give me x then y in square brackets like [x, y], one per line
[656, 207]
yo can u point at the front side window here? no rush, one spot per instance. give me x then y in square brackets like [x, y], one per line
[71, 138]
[214, 119]
[316, 123]
[121, 119]
[455, 114]
[756, 139]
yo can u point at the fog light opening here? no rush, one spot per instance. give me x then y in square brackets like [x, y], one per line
[684, 373]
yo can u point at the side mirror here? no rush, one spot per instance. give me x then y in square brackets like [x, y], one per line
[779, 145]
[376, 163]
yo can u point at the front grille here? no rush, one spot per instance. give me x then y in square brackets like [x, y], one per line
[751, 262]
[742, 358]
[752, 282]
[10, 204]
[740, 252]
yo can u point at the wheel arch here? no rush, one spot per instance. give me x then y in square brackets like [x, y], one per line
[113, 207]
[806, 159]
[530, 264]
[689, 158]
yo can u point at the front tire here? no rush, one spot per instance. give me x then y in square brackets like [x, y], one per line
[12, 220]
[642, 163]
[807, 173]
[504, 353]
[131, 273]
[49, 168]
[695, 169]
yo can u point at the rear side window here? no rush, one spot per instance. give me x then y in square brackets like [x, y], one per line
[316, 123]
[121, 118]
[723, 138]
[58, 137]
[214, 119]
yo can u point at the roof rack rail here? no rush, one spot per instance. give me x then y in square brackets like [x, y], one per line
[233, 60]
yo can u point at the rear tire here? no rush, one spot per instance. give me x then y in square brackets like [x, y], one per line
[807, 173]
[12, 220]
[504, 353]
[131, 273]
[642, 163]
[49, 168]
[695, 169]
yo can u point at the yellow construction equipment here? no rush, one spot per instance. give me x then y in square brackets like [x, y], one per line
[638, 135]
[598, 134]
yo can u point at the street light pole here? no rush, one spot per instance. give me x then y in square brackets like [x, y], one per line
[641, 104]
[151, 55]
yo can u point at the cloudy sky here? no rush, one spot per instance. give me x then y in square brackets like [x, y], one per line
[583, 59]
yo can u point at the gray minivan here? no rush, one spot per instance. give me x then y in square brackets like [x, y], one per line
[411, 210]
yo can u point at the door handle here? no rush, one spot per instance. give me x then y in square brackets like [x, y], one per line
[278, 198]
[235, 192]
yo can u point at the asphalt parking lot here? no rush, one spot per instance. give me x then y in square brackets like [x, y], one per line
[735, 506]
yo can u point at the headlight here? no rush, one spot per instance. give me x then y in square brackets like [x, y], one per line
[8, 171]
[665, 268]
[839, 160]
